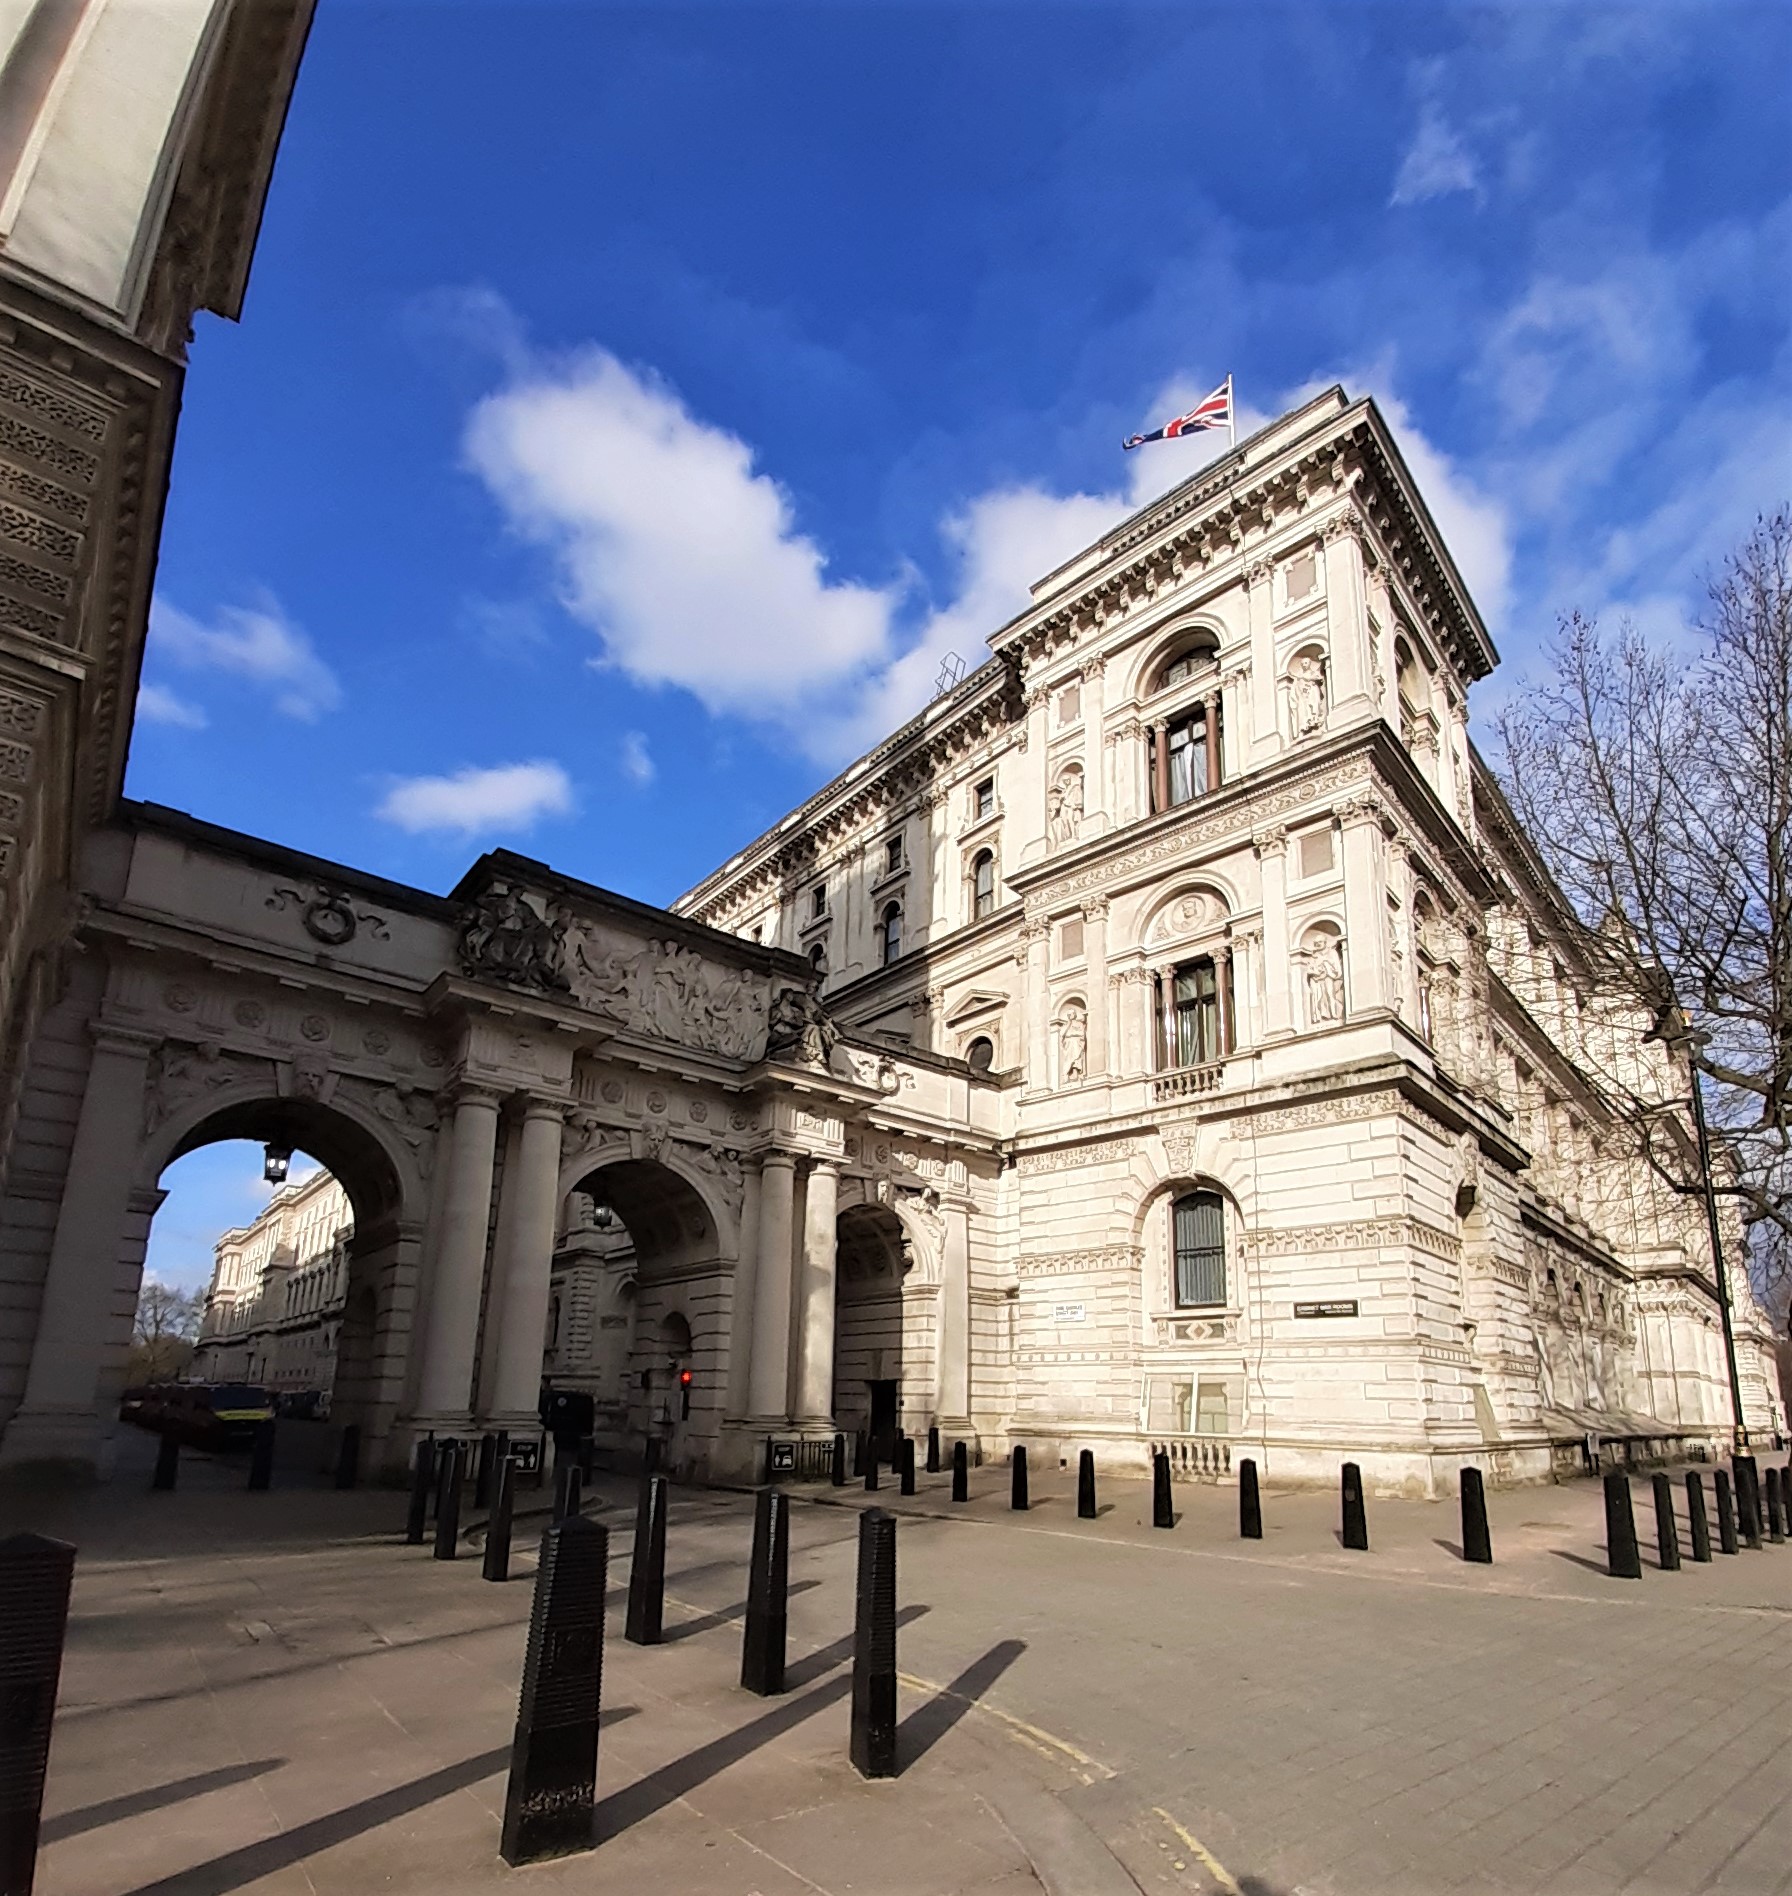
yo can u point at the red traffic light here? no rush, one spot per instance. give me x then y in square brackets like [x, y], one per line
[684, 1378]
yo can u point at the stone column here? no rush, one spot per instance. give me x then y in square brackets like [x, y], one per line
[1095, 948]
[1365, 909]
[1224, 1000]
[1347, 611]
[1036, 944]
[1160, 767]
[59, 1418]
[1095, 789]
[740, 1328]
[445, 1390]
[1272, 848]
[532, 1184]
[954, 1410]
[1210, 711]
[1265, 729]
[815, 1318]
[769, 1382]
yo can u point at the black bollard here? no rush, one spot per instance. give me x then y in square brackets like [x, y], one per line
[858, 1453]
[1695, 1515]
[482, 1471]
[870, 1466]
[647, 1572]
[167, 1464]
[1776, 1510]
[873, 1746]
[1356, 1521]
[1163, 1503]
[348, 1457]
[768, 1588]
[1667, 1532]
[1477, 1542]
[552, 1790]
[906, 1468]
[837, 1468]
[566, 1489]
[496, 1564]
[1017, 1480]
[35, 1577]
[261, 1458]
[933, 1450]
[770, 1473]
[1621, 1558]
[1085, 1485]
[448, 1505]
[423, 1480]
[1748, 1501]
[961, 1472]
[1726, 1511]
[1250, 1503]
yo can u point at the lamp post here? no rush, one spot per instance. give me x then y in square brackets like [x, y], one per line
[1740, 1428]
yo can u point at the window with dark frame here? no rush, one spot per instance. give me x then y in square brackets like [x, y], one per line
[1195, 1014]
[983, 798]
[818, 957]
[818, 901]
[980, 1055]
[1198, 1237]
[890, 934]
[983, 885]
[892, 855]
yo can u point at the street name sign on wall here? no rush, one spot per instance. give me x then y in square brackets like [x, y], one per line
[1337, 1307]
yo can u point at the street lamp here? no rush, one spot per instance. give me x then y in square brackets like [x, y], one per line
[276, 1160]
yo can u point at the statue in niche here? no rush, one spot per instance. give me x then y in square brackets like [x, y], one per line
[1325, 980]
[1073, 1044]
[1306, 692]
[1064, 809]
[504, 938]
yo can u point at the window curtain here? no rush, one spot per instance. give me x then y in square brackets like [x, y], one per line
[1197, 1015]
[1188, 761]
[1200, 1233]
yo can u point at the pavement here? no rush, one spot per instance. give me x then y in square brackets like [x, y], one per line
[271, 1693]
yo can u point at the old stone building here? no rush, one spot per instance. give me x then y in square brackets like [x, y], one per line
[1165, 1039]
[279, 1283]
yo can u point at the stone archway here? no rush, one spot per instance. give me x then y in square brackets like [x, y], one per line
[875, 1367]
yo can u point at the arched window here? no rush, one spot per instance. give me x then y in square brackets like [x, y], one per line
[983, 885]
[818, 957]
[980, 1055]
[890, 933]
[1198, 1241]
[1197, 656]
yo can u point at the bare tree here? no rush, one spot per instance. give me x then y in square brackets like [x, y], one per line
[1657, 785]
[163, 1335]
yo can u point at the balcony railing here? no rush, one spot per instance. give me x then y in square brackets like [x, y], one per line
[1196, 1457]
[1189, 1082]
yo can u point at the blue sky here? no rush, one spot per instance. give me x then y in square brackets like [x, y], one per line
[633, 402]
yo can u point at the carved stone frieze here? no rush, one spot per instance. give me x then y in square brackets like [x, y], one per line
[328, 914]
[412, 1113]
[180, 1073]
[1074, 1158]
[1112, 1257]
[671, 993]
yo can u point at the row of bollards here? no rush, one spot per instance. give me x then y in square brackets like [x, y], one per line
[1747, 1509]
[345, 1473]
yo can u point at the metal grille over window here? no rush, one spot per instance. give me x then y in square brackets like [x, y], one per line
[1200, 1233]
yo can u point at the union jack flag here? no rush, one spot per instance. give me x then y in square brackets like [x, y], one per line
[1214, 412]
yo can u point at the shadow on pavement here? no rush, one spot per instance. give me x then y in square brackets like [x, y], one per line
[625, 1808]
[236, 1868]
[1452, 1548]
[928, 1724]
[1580, 1560]
[813, 1664]
[708, 1622]
[72, 1823]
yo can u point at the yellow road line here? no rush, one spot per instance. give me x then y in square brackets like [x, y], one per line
[1058, 1749]
[1209, 1862]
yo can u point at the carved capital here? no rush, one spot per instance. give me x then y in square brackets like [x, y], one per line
[1270, 842]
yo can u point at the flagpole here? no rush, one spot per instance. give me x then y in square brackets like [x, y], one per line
[1231, 418]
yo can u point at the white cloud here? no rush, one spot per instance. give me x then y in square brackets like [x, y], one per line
[685, 560]
[258, 644]
[1436, 162]
[158, 705]
[637, 759]
[474, 802]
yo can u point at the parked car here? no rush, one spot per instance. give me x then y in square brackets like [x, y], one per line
[209, 1415]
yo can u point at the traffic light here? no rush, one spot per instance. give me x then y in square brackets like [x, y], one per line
[684, 1395]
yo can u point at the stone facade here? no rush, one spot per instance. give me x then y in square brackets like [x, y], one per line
[278, 1289]
[1166, 1039]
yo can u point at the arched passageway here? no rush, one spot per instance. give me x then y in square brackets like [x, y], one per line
[873, 1259]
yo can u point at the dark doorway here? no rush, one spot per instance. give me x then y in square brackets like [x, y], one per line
[883, 1421]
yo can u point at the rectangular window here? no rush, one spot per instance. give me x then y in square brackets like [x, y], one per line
[1200, 1234]
[1070, 940]
[983, 798]
[818, 900]
[1188, 760]
[892, 855]
[1196, 1017]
